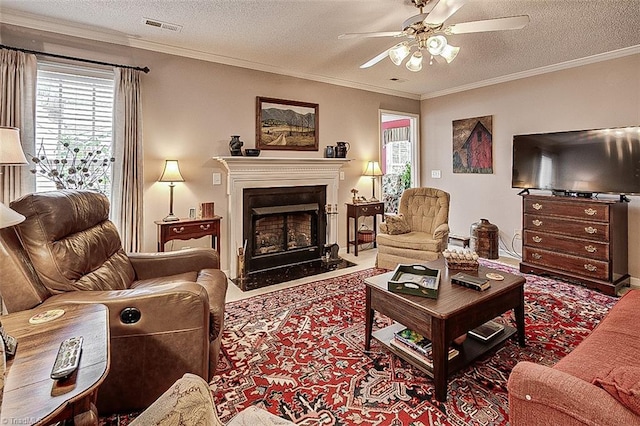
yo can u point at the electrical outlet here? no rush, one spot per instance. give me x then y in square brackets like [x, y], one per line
[341, 175]
[435, 174]
[217, 179]
[517, 234]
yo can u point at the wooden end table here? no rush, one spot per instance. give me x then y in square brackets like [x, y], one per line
[30, 395]
[456, 310]
[186, 229]
[357, 210]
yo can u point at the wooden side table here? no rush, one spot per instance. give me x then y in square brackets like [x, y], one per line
[355, 211]
[186, 229]
[30, 395]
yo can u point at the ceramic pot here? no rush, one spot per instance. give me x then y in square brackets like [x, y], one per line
[484, 239]
[341, 149]
[234, 146]
[329, 152]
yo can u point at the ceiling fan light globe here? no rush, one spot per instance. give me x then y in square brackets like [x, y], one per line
[415, 63]
[398, 53]
[449, 53]
[436, 44]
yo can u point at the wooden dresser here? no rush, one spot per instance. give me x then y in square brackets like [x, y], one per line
[583, 240]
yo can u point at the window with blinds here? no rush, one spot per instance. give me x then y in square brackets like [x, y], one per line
[74, 128]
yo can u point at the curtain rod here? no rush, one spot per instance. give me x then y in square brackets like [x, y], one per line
[53, 55]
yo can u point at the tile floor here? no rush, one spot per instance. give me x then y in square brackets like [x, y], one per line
[365, 259]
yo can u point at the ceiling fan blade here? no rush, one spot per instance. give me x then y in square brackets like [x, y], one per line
[371, 62]
[498, 24]
[443, 10]
[376, 34]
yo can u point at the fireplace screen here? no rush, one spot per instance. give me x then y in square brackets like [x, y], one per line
[283, 228]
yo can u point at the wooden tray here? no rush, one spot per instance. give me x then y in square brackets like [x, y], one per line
[417, 280]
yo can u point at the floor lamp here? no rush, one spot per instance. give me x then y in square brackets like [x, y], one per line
[171, 174]
[11, 154]
[373, 170]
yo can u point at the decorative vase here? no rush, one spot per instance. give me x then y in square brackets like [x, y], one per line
[235, 146]
[341, 149]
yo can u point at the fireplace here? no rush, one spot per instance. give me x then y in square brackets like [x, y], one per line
[283, 226]
[271, 172]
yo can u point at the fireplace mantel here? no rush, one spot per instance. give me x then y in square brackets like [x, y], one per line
[267, 172]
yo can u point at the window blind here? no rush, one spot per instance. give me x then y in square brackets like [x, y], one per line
[74, 126]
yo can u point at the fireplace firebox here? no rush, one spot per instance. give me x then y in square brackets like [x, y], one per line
[283, 226]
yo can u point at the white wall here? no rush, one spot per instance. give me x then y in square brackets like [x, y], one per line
[606, 94]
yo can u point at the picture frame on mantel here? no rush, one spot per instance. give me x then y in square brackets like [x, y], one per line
[286, 125]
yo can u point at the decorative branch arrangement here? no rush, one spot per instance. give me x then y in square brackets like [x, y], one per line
[73, 168]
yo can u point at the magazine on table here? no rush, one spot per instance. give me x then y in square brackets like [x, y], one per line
[419, 356]
[414, 340]
[487, 331]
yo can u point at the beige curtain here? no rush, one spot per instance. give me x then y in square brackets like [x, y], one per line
[127, 184]
[18, 72]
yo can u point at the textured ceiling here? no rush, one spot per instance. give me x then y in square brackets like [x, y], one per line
[300, 37]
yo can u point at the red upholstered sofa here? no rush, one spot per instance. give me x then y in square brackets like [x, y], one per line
[597, 384]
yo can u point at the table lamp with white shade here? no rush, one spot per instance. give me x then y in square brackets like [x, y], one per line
[11, 154]
[373, 170]
[171, 174]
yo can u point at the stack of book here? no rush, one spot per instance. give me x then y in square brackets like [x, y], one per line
[416, 346]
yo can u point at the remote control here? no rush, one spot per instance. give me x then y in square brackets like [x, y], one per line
[67, 359]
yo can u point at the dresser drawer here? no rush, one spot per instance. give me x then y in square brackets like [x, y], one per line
[559, 243]
[589, 268]
[583, 210]
[595, 231]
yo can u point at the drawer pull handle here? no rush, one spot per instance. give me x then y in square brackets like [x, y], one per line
[364, 209]
[205, 227]
[589, 267]
[590, 212]
[537, 206]
[178, 230]
[537, 239]
[537, 222]
[590, 230]
[536, 256]
[590, 249]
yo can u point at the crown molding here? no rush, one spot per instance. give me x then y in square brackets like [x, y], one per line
[42, 24]
[614, 54]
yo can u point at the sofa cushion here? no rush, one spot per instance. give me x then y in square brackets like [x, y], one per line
[623, 383]
[396, 224]
[409, 241]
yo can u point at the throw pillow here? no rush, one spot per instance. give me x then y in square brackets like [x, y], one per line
[623, 383]
[396, 224]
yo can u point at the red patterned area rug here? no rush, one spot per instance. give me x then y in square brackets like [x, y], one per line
[298, 353]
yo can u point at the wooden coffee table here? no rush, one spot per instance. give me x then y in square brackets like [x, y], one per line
[456, 310]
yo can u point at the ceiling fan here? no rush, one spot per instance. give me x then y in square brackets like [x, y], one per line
[427, 31]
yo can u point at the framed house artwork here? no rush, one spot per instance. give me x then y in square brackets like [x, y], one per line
[286, 125]
[473, 145]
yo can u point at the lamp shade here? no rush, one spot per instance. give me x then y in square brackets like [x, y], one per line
[415, 63]
[373, 169]
[399, 52]
[11, 153]
[9, 217]
[171, 172]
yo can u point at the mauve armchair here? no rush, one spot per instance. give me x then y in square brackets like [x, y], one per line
[166, 310]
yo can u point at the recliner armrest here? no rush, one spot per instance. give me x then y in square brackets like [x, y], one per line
[165, 307]
[441, 232]
[152, 265]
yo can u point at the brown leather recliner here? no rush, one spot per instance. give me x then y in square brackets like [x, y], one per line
[67, 251]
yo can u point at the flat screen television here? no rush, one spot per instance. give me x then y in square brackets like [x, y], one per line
[581, 163]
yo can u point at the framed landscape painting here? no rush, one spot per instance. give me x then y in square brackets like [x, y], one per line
[286, 125]
[473, 145]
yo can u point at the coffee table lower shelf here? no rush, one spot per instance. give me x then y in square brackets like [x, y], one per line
[470, 350]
